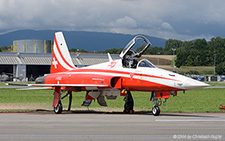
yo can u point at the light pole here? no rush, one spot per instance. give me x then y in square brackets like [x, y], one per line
[214, 64]
[158, 57]
[173, 49]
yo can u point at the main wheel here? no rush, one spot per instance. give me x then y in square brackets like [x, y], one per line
[58, 109]
[129, 103]
[155, 110]
[127, 108]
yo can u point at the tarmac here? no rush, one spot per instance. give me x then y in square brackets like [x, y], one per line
[112, 126]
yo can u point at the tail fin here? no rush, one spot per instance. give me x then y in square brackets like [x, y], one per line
[61, 59]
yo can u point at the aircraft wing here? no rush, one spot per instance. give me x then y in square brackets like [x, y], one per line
[49, 86]
[66, 85]
[35, 88]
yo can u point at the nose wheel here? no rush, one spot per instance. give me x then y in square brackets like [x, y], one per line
[156, 110]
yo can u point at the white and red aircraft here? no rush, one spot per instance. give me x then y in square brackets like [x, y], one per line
[113, 78]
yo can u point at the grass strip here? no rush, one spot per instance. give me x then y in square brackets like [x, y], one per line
[201, 100]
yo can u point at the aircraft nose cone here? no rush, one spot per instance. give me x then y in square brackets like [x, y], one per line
[194, 84]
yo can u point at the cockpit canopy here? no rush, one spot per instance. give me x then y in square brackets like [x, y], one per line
[134, 49]
[145, 63]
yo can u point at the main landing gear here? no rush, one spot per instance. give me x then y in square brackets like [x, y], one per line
[58, 109]
[155, 109]
[57, 104]
[129, 103]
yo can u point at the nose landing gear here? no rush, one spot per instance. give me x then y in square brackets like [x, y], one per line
[155, 109]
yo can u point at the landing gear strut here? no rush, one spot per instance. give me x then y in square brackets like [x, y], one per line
[69, 93]
[129, 103]
[57, 104]
[86, 102]
[155, 109]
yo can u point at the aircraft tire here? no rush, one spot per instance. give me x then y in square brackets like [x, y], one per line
[127, 108]
[58, 109]
[155, 110]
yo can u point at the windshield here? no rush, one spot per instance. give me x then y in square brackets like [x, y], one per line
[146, 63]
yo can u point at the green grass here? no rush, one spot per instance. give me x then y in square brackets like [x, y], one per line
[202, 100]
[216, 83]
[25, 96]
[2, 84]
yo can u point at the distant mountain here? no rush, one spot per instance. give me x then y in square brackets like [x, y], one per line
[90, 41]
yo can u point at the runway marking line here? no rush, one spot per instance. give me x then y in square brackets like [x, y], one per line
[193, 120]
[82, 136]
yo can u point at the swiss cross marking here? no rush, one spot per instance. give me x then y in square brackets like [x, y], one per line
[112, 64]
[55, 63]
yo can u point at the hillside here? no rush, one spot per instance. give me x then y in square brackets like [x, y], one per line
[90, 41]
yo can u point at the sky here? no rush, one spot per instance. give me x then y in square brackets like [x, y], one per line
[168, 19]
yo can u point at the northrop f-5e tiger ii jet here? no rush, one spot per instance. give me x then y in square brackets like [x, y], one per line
[113, 78]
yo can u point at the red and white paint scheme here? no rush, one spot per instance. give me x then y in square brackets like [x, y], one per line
[113, 78]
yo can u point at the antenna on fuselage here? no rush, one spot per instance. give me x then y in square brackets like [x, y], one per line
[110, 58]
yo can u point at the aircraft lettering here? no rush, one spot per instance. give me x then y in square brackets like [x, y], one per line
[98, 79]
[58, 78]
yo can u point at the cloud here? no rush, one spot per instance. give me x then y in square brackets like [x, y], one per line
[161, 18]
[124, 22]
[166, 26]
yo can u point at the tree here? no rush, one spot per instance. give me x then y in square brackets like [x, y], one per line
[112, 51]
[200, 44]
[4, 48]
[77, 50]
[172, 44]
[73, 50]
[220, 68]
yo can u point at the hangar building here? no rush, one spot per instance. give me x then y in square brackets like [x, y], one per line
[30, 59]
[28, 66]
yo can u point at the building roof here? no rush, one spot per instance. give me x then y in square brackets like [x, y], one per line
[8, 58]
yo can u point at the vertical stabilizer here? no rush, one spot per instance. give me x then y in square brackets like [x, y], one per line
[61, 59]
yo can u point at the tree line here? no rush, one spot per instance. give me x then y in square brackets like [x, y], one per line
[4, 48]
[198, 52]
